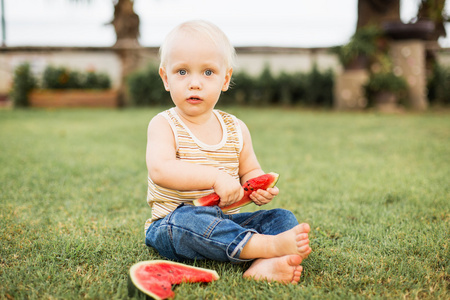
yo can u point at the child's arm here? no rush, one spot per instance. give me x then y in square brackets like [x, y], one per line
[165, 170]
[249, 167]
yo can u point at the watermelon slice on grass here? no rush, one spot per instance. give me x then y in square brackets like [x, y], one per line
[261, 182]
[155, 278]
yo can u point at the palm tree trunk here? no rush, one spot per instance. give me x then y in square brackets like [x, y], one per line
[375, 12]
[126, 23]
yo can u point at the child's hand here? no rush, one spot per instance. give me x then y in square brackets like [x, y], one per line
[228, 189]
[261, 197]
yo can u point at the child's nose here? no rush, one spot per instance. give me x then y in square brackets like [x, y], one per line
[195, 83]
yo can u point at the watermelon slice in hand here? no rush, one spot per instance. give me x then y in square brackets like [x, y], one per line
[156, 277]
[261, 182]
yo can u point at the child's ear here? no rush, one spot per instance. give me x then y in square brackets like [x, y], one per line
[226, 84]
[163, 75]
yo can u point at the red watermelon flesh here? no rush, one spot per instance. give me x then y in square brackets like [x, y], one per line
[156, 277]
[261, 182]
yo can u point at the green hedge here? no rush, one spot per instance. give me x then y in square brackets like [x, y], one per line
[310, 89]
[146, 88]
[24, 81]
[439, 86]
[63, 78]
[53, 78]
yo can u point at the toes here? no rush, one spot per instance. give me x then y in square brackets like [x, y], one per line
[297, 274]
[301, 236]
[302, 242]
[305, 227]
[303, 247]
[294, 260]
[305, 252]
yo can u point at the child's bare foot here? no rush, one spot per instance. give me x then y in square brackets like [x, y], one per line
[294, 241]
[285, 269]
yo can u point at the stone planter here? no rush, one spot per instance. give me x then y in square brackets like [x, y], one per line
[73, 98]
[385, 101]
[349, 91]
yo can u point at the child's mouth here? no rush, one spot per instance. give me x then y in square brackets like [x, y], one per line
[194, 100]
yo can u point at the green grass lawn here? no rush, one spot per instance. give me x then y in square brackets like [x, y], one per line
[374, 188]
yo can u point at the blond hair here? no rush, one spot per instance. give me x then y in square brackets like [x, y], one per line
[202, 28]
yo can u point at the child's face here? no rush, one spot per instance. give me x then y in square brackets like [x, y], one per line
[195, 74]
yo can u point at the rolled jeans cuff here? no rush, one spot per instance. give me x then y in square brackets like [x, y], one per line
[234, 249]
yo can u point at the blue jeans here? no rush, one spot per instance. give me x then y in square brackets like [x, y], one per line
[193, 232]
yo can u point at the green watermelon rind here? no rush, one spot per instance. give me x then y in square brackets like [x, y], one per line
[142, 289]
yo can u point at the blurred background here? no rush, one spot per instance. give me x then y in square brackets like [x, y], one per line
[275, 41]
[291, 23]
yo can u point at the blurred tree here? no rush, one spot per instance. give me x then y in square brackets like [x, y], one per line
[374, 12]
[434, 10]
[125, 22]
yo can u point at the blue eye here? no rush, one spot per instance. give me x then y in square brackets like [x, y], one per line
[208, 72]
[182, 72]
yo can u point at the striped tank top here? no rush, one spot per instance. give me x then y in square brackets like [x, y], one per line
[224, 156]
